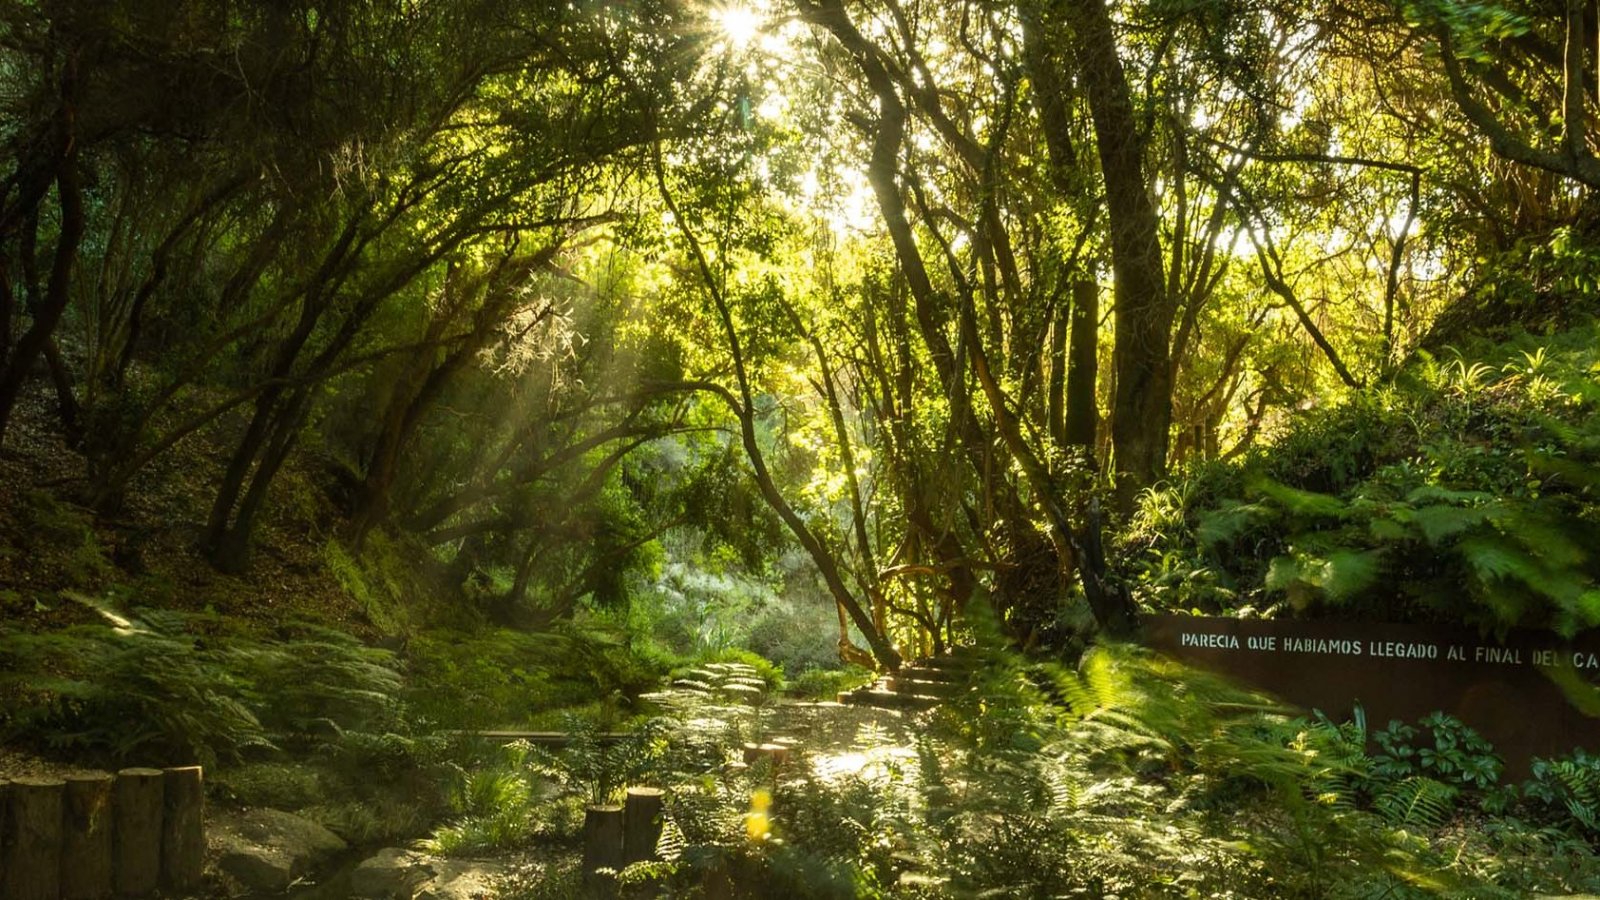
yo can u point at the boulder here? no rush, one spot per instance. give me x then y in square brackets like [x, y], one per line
[388, 874]
[463, 880]
[267, 849]
[256, 868]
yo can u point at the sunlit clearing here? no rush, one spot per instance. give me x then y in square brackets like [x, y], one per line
[872, 764]
[741, 24]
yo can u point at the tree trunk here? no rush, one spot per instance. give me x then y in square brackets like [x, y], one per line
[8, 309]
[47, 315]
[1056, 385]
[66, 399]
[641, 824]
[602, 848]
[1083, 414]
[232, 551]
[1142, 405]
[233, 477]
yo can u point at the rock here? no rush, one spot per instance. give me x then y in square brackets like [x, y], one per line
[390, 873]
[257, 868]
[463, 880]
[267, 849]
[299, 835]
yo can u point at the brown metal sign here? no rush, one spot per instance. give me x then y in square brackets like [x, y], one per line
[1509, 690]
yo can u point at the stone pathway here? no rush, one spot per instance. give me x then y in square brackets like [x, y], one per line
[921, 685]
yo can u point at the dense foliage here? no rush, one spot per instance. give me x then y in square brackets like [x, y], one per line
[374, 374]
[1129, 776]
[1463, 492]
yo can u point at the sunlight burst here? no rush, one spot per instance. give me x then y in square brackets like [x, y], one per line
[741, 24]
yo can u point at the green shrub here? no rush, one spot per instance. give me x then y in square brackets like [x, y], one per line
[798, 638]
[826, 684]
[1462, 494]
[600, 770]
[140, 691]
[315, 681]
[278, 785]
[162, 687]
[485, 679]
[1440, 747]
[1566, 791]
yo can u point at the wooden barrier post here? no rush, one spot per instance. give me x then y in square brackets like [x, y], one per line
[183, 836]
[5, 833]
[641, 824]
[137, 832]
[32, 863]
[775, 755]
[86, 837]
[602, 848]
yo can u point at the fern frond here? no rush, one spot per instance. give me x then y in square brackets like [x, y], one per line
[1417, 802]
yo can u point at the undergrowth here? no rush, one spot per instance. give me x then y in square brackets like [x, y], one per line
[1462, 492]
[1128, 775]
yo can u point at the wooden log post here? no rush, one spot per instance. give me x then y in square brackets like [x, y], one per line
[602, 849]
[136, 842]
[774, 756]
[641, 824]
[5, 833]
[183, 833]
[86, 837]
[32, 863]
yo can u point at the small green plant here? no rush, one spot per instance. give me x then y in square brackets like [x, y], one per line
[600, 767]
[825, 684]
[1417, 802]
[1566, 791]
[1440, 747]
[493, 807]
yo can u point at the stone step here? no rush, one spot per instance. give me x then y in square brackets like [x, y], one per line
[931, 673]
[883, 699]
[901, 684]
[961, 661]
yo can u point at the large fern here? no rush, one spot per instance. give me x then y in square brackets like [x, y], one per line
[1417, 802]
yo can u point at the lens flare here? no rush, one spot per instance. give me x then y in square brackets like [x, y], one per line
[740, 24]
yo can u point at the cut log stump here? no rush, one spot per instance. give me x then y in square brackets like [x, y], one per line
[86, 837]
[32, 851]
[183, 836]
[602, 849]
[776, 755]
[641, 826]
[136, 834]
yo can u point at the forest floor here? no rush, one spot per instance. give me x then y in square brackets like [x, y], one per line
[52, 545]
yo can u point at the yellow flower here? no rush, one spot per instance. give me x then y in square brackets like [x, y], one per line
[757, 824]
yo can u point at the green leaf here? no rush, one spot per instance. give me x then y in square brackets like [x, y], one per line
[1349, 572]
[1387, 530]
[1304, 503]
[1282, 572]
[1440, 522]
[1230, 521]
[1432, 493]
